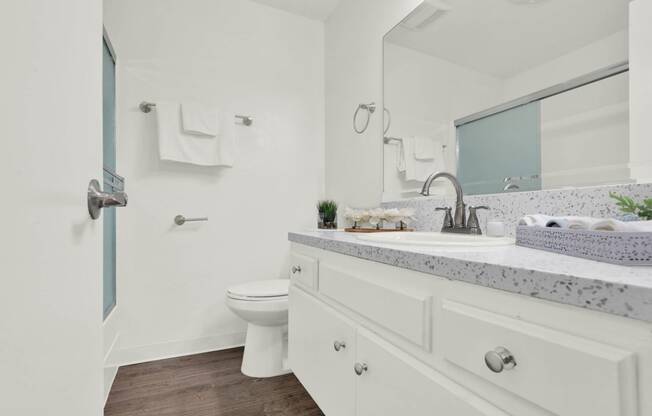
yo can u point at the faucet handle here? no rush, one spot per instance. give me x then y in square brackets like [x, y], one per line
[473, 224]
[448, 219]
[473, 208]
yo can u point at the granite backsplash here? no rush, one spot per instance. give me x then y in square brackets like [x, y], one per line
[510, 207]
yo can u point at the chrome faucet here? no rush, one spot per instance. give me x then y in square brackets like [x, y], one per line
[459, 221]
[458, 224]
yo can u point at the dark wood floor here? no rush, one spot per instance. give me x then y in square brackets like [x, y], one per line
[205, 385]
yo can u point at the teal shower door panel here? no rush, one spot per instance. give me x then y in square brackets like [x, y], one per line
[506, 144]
[109, 160]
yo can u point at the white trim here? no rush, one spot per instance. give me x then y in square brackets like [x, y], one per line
[111, 337]
[109, 377]
[108, 352]
[172, 349]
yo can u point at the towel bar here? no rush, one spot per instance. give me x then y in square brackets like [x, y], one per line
[180, 219]
[146, 107]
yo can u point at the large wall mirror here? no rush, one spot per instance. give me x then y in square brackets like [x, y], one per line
[511, 95]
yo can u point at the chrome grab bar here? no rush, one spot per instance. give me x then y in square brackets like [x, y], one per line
[180, 219]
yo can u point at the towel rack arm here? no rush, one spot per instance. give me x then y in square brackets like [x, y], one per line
[147, 106]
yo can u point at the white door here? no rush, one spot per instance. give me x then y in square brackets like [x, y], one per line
[392, 383]
[324, 368]
[50, 250]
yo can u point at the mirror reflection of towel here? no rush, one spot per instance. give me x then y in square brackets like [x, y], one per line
[415, 168]
[424, 148]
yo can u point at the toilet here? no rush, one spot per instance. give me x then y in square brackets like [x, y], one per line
[264, 305]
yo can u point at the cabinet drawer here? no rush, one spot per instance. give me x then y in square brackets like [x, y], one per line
[304, 270]
[404, 313]
[325, 372]
[562, 373]
[397, 384]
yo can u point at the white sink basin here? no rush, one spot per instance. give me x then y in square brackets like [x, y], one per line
[436, 239]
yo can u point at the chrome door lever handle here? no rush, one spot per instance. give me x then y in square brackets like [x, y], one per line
[97, 199]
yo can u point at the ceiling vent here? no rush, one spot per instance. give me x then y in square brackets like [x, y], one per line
[425, 14]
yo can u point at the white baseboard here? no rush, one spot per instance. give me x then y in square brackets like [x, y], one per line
[109, 378]
[153, 352]
[111, 340]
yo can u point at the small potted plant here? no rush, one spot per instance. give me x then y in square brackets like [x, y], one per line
[640, 210]
[327, 214]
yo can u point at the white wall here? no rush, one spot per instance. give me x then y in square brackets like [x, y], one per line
[641, 89]
[239, 55]
[50, 249]
[599, 54]
[354, 62]
[425, 95]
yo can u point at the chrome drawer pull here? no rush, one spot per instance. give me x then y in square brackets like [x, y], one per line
[360, 368]
[499, 359]
[296, 269]
[339, 345]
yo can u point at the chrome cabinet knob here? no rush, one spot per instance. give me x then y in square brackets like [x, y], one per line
[296, 269]
[339, 345]
[360, 368]
[499, 359]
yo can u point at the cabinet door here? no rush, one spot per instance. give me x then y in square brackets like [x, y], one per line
[394, 383]
[325, 372]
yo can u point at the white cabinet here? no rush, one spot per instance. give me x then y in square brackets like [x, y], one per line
[304, 270]
[399, 311]
[420, 344]
[563, 373]
[325, 348]
[324, 370]
[393, 383]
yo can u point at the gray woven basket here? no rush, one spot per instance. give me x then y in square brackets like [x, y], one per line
[628, 249]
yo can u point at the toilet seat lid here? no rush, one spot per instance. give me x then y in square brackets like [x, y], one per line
[272, 288]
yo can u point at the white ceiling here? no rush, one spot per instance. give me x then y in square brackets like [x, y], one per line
[501, 38]
[313, 9]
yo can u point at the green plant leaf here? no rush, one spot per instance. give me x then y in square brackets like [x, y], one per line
[628, 205]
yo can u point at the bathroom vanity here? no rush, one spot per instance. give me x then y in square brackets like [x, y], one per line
[381, 329]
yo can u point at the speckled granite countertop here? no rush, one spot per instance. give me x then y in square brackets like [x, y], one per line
[619, 290]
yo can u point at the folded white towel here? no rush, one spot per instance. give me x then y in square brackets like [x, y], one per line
[199, 119]
[424, 148]
[418, 169]
[177, 145]
[585, 223]
[535, 220]
[572, 223]
[400, 157]
[622, 226]
[408, 160]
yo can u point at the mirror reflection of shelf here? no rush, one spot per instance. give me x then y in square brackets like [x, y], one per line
[399, 140]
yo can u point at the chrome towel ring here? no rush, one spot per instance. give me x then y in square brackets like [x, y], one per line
[369, 108]
[389, 120]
